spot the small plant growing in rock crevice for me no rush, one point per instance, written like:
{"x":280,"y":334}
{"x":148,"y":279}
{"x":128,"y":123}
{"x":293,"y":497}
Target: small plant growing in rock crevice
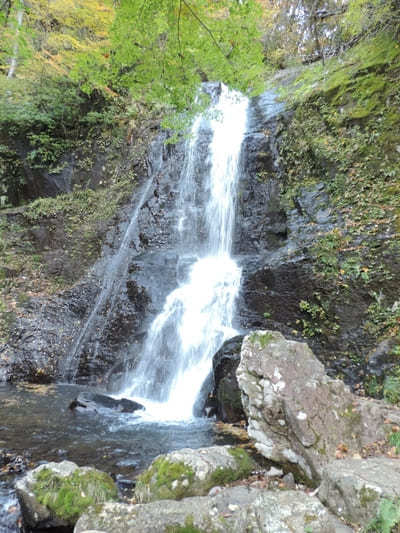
{"x":261,"y":338}
{"x":387,"y":518}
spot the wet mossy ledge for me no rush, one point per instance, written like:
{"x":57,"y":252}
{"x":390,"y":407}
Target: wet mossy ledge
{"x":186,"y":472}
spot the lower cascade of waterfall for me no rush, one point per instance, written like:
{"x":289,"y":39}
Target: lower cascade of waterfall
{"x":198,"y":314}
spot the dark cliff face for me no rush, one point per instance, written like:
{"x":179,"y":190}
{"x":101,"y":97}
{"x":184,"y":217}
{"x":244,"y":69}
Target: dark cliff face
{"x":274,"y":243}
{"x":288,"y":244}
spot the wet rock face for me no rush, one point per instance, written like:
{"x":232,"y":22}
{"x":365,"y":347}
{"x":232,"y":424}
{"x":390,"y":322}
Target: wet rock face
{"x":261,"y":221}
{"x":42,"y":337}
{"x":226,"y":392}
{"x":354,"y":489}
{"x":298,"y":416}
{"x":233,"y":510}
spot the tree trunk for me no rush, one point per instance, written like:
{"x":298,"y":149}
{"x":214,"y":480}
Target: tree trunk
{"x":14,"y":58}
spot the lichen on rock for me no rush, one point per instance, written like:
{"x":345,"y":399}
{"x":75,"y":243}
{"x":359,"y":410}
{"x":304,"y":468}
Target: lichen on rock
{"x":298,"y":416}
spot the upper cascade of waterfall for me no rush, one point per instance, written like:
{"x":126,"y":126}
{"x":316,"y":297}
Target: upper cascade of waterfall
{"x":197,"y":316}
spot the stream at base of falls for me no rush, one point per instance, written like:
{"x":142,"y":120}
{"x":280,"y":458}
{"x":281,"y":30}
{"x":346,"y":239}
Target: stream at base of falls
{"x":37,"y":424}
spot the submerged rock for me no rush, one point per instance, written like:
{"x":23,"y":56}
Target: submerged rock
{"x":355,"y":489}
{"x":56,"y":494}
{"x":232,"y":510}
{"x":298,"y":416}
{"x":93,"y":402}
{"x":190,"y":472}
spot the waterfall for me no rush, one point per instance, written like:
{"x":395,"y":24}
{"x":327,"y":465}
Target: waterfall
{"x":197,"y":316}
{"x":14,"y":58}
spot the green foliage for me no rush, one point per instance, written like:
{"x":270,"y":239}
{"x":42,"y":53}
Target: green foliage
{"x":318,"y":319}
{"x":391,"y":389}
{"x":394,"y":440}
{"x":387,"y":518}
{"x":11,"y":176}
{"x":363,"y":16}
{"x":326,"y":251}
{"x":163,"y":49}
{"x":383,"y":318}
{"x":373,"y":387}
{"x":68,"y":497}
{"x":82,"y":205}
{"x":51,"y":105}
{"x":39,"y":122}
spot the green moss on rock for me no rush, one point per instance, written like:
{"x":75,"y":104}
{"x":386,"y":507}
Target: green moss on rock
{"x":188,"y":527}
{"x":167,"y":479}
{"x":367,"y":496}
{"x":244,"y":467}
{"x":68,"y":497}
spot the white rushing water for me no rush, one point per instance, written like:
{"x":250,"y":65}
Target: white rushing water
{"x":197,"y":316}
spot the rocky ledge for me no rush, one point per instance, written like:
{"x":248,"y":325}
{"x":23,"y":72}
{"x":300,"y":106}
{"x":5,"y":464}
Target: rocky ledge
{"x":233,"y":510}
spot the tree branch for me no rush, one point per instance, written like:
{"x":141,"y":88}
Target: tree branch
{"x":195,"y":15}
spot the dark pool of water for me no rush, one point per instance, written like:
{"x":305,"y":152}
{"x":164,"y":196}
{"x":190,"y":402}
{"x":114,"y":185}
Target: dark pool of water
{"x":35,"y":421}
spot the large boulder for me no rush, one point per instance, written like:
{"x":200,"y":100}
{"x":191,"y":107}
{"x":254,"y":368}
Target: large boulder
{"x":56,"y":494}
{"x":190,"y":472}
{"x":355,"y":489}
{"x":233,"y":510}
{"x":299,"y":416}
{"x":226,"y":389}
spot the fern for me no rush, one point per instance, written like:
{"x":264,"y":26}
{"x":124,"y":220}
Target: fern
{"x":387,"y":518}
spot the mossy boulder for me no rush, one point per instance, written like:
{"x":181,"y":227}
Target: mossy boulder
{"x":56,"y":494}
{"x":188,"y":472}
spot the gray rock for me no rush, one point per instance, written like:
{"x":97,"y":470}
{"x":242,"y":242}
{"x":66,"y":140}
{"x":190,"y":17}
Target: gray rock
{"x":190,"y":472}
{"x":95,"y":403}
{"x":353,"y":489}
{"x":287,"y":512}
{"x":37,"y":515}
{"x":298,"y":415}
{"x":289,"y":481}
{"x":233,"y":510}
